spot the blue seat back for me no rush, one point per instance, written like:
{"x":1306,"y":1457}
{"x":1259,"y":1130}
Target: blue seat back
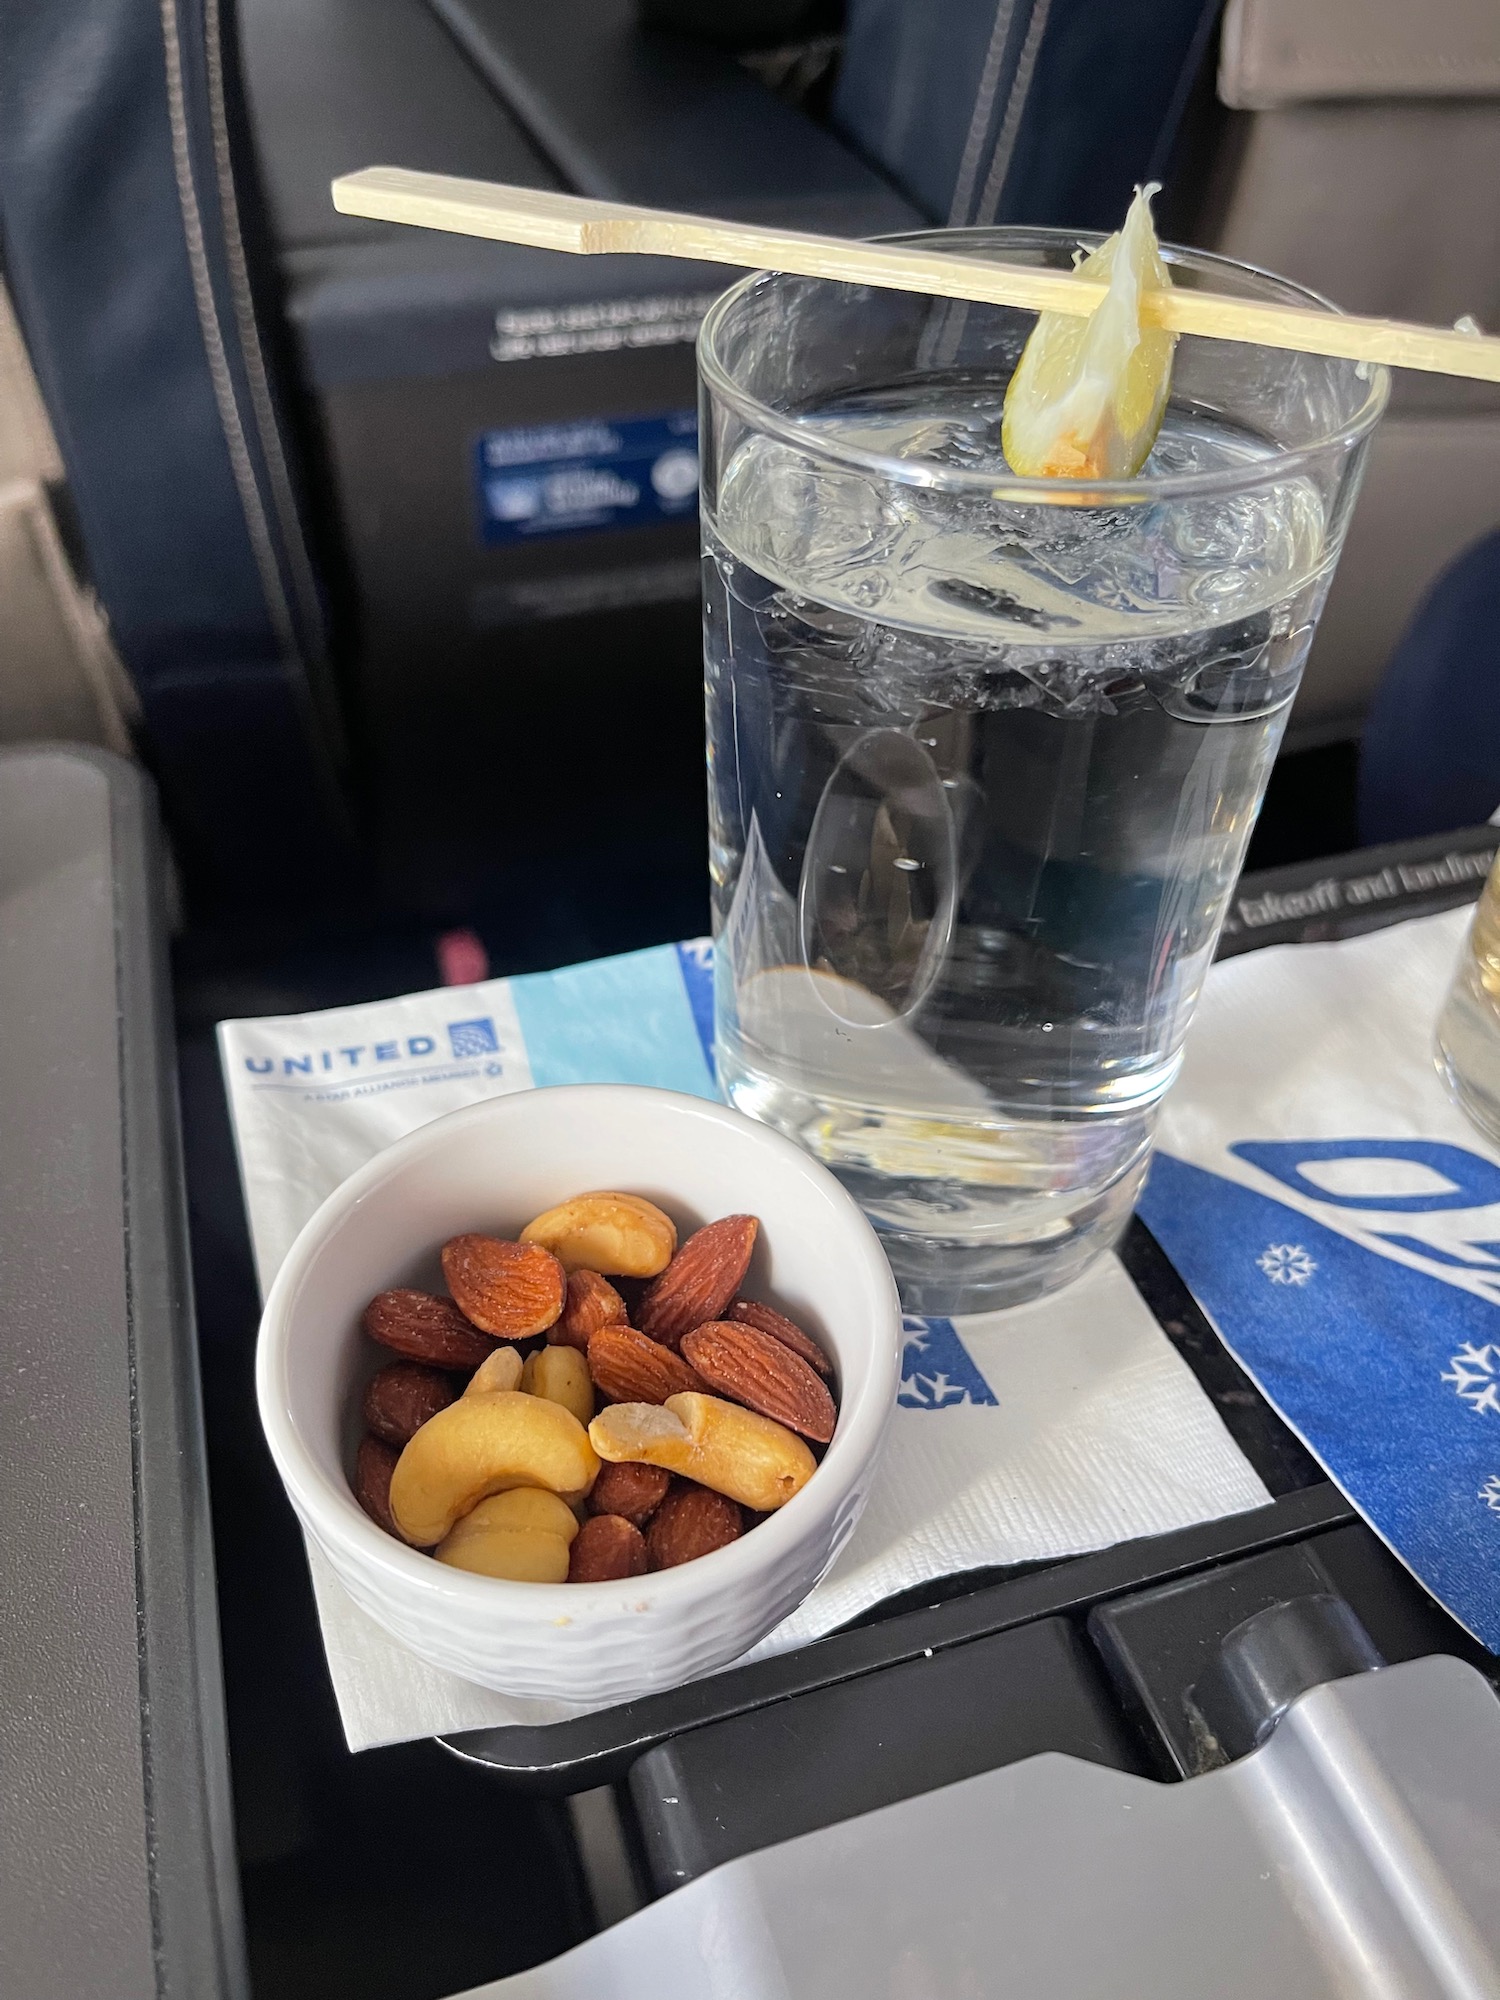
{"x":1430,"y":757}
{"x":128,"y":243}
{"x":1033,"y":111}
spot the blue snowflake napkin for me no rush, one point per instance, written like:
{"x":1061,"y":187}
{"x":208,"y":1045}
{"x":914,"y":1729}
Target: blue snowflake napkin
{"x":1338,"y":1219}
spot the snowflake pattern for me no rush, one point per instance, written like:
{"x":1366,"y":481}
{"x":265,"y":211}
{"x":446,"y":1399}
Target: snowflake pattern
{"x":1474,"y":1373}
{"x":1489,"y":1493}
{"x":1286,"y":1263}
{"x":931,"y":1392}
{"x":937,"y":1370}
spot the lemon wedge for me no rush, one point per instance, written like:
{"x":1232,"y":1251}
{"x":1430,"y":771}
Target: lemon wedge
{"x":1087,"y":397}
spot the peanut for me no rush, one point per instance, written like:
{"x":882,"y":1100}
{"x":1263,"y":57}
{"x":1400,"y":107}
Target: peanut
{"x":561,"y":1375}
{"x":503,"y":1370}
{"x":522,"y":1535}
{"x":619,"y":1234}
{"x":746,"y":1457}
{"x":484,"y":1444}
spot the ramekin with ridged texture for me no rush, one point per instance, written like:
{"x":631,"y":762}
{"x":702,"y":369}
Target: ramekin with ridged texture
{"x":491,"y":1167}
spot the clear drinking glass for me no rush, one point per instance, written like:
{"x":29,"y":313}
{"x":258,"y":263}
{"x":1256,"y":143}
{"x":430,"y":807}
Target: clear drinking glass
{"x":1468,"y":1033}
{"x":984,"y":752}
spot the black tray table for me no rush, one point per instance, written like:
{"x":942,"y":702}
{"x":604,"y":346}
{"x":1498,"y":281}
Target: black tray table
{"x":1343,"y":897}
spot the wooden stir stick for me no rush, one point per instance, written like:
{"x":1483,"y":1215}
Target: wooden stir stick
{"x":571,"y":222}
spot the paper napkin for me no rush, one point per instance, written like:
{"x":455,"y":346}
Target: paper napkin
{"x":1338,"y":1218}
{"x":1044,"y":1431}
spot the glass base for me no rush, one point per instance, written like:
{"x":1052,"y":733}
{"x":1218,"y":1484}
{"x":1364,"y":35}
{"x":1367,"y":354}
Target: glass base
{"x":974,"y":1213}
{"x":1467,"y":1050}
{"x":1480,"y":1106}
{"x":979,"y":1271}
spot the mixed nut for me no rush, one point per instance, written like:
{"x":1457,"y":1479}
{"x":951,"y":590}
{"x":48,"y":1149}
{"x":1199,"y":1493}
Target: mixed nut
{"x":712,"y":1405}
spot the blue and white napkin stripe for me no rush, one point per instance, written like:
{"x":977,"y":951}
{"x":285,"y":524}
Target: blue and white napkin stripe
{"x":640,"y":1018}
{"x":937,"y":1371}
{"x":695,"y":961}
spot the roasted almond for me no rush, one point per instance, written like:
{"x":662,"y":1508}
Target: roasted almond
{"x":752,"y":1368}
{"x":691,"y":1522}
{"x":630,"y":1368}
{"x":400,"y":1399}
{"x":606,"y":1549}
{"x":592,"y":1302}
{"x":424,"y":1328}
{"x":372,"y":1481}
{"x":700,"y":1280}
{"x":511,"y":1290}
{"x":766,"y":1319}
{"x":632,"y":1491}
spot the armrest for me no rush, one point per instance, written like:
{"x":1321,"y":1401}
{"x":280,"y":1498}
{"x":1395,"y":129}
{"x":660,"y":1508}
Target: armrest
{"x":117,"y":1876}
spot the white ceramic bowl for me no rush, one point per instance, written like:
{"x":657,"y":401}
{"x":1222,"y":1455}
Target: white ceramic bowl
{"x":491,"y":1167}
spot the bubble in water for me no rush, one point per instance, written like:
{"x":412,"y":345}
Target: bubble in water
{"x":980,"y":565}
{"x":985,"y":597}
{"x":797,"y":519}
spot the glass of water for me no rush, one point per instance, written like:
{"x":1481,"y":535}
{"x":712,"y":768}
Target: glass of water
{"x":984,"y":753}
{"x":1468,"y":1032}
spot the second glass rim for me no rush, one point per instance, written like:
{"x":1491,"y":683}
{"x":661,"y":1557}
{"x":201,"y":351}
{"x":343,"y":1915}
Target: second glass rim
{"x":813,"y":442}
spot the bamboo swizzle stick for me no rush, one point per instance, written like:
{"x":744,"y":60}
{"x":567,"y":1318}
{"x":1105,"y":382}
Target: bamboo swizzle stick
{"x":571,"y":222}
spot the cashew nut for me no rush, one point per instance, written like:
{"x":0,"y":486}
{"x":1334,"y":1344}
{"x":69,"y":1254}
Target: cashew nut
{"x":500,"y":1370}
{"x":483,"y":1444}
{"x":622,"y":1235}
{"x":561,"y":1374}
{"x":522,"y":1535}
{"x":744,"y":1456}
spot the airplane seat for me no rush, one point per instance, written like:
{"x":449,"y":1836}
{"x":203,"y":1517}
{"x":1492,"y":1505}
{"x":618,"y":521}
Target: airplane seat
{"x":1045,"y":112}
{"x":508,"y":434}
{"x":1353,"y":145}
{"x":469,"y":461}
{"x":1430,"y":757}
{"x":60,"y":677}
{"x":1361,"y":155}
{"x":300,"y":448}
{"x":127,"y":218}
